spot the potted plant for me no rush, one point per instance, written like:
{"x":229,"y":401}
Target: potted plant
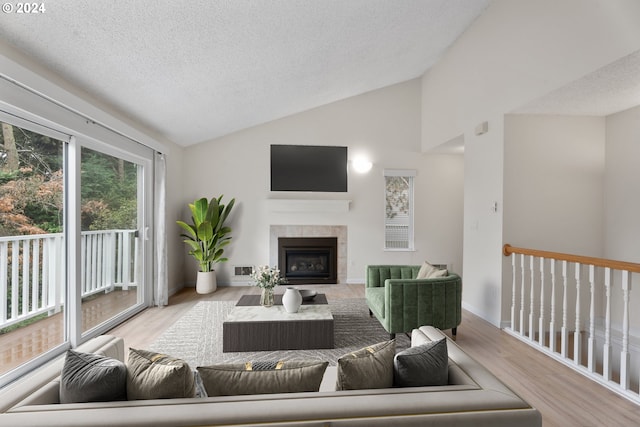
{"x":207,"y":237}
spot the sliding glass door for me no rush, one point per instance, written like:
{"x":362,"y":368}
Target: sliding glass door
{"x":112,"y":247}
{"x":32,"y":243}
{"x":75,"y":248}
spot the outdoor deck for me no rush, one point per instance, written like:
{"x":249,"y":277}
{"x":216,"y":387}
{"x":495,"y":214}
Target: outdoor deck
{"x":21,"y":345}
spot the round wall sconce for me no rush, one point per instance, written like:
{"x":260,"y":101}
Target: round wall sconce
{"x":361,"y":165}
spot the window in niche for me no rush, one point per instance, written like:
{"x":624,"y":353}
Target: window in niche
{"x":398,"y":223}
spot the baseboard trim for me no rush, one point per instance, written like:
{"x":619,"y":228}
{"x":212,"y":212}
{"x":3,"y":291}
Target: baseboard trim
{"x":474,"y":310}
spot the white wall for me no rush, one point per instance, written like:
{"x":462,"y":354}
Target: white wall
{"x":482,"y":226}
{"x":515,"y":52}
{"x":622,"y":185}
{"x":622,"y":204}
{"x":553,"y":183}
{"x":385,"y":126}
{"x":553,"y":189}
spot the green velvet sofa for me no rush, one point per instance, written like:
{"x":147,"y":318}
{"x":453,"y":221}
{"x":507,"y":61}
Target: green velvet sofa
{"x":402,"y":303}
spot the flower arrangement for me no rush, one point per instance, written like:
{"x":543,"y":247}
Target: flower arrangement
{"x":266,"y":277}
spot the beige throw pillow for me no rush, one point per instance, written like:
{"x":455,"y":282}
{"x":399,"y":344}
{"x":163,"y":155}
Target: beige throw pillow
{"x":428,"y":271}
{"x":367,"y":368}
{"x":158,"y":376}
{"x":262,"y":377}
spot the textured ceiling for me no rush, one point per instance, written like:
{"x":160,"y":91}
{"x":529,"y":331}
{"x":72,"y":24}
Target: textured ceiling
{"x":611,"y":89}
{"x":199,"y":69}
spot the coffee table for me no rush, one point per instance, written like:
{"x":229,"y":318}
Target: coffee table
{"x":251,"y":327}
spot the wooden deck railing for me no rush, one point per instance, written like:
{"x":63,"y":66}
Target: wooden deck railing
{"x":549,"y":293}
{"x":32,"y":270}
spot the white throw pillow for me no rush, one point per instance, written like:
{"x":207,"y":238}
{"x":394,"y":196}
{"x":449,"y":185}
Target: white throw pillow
{"x":428,"y":271}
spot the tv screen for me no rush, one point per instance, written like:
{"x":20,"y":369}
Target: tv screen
{"x":308,"y":168}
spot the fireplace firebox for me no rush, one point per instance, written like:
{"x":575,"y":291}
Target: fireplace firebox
{"x":308,"y":260}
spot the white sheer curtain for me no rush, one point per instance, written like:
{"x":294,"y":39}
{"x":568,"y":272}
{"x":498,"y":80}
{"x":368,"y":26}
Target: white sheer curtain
{"x":161,"y":287}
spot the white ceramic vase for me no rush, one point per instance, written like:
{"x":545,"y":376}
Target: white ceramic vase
{"x":206,"y":282}
{"x":291,"y":300}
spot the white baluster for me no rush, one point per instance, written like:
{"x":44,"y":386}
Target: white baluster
{"x":35,"y":281}
{"x":99,"y":264}
{"x":591,"y":363}
{"x":86,"y":277}
{"x":15,"y":277}
{"x":3,"y":281}
{"x":94,"y":264}
{"x":56,"y":285}
{"x":531,"y":302}
{"x":120,"y":256}
{"x":552,"y":324}
{"x":513,"y":291}
{"x":26,"y":259}
{"x":83,"y":259}
{"x":126,"y":267}
{"x":541,"y":319}
{"x":522,"y":292}
{"x":606,"y":351}
{"x":624,"y":355}
{"x":137,"y":260}
{"x":44,"y":301}
{"x":111,"y":253}
{"x":577,"y":340}
{"x":564,"y":342}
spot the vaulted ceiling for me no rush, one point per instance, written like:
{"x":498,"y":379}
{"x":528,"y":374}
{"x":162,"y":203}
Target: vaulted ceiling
{"x":195,"y":70}
{"x":608,"y":90}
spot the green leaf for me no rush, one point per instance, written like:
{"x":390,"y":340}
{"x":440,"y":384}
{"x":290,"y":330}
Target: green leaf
{"x":212,"y":212}
{"x":193,"y":244}
{"x":205,"y":231}
{"x":188,"y":228}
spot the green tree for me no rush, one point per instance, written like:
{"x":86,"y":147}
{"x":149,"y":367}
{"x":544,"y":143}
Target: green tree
{"x":31,"y":199}
{"x":109,"y":192}
{"x":397,"y":192}
{"x":9,"y":155}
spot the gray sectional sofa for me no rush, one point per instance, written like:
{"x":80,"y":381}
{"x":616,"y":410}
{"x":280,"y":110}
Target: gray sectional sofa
{"x":474,"y":397}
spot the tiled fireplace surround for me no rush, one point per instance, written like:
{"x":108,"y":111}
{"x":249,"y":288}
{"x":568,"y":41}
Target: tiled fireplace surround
{"x":339,"y":231}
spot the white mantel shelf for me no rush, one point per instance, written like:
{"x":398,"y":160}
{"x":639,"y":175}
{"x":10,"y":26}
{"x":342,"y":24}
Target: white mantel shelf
{"x":308,"y":205}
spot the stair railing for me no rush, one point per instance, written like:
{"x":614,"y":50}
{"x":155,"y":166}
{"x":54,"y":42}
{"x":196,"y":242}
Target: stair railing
{"x":548,"y":284}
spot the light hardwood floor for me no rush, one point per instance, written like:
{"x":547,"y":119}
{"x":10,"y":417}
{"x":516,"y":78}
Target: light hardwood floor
{"x":564,"y":397}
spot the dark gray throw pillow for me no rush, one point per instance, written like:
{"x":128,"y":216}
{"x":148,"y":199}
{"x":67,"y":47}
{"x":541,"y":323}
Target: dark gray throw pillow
{"x":423,"y":365}
{"x":90,"y":377}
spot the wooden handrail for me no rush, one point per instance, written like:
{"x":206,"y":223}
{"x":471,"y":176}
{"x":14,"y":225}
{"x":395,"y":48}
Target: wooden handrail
{"x":507,"y":250}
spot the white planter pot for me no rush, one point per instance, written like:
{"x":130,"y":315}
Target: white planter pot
{"x":291,"y":300}
{"x":206,"y":282}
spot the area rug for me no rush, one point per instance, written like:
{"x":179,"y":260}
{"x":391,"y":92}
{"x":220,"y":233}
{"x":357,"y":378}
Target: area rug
{"x":197,"y":336}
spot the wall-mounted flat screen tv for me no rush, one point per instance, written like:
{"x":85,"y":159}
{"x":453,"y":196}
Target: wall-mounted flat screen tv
{"x":308,"y":168}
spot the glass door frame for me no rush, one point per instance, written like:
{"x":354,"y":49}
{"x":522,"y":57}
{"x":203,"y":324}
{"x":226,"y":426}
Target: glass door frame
{"x":143,"y":158}
{"x":64,"y":138}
